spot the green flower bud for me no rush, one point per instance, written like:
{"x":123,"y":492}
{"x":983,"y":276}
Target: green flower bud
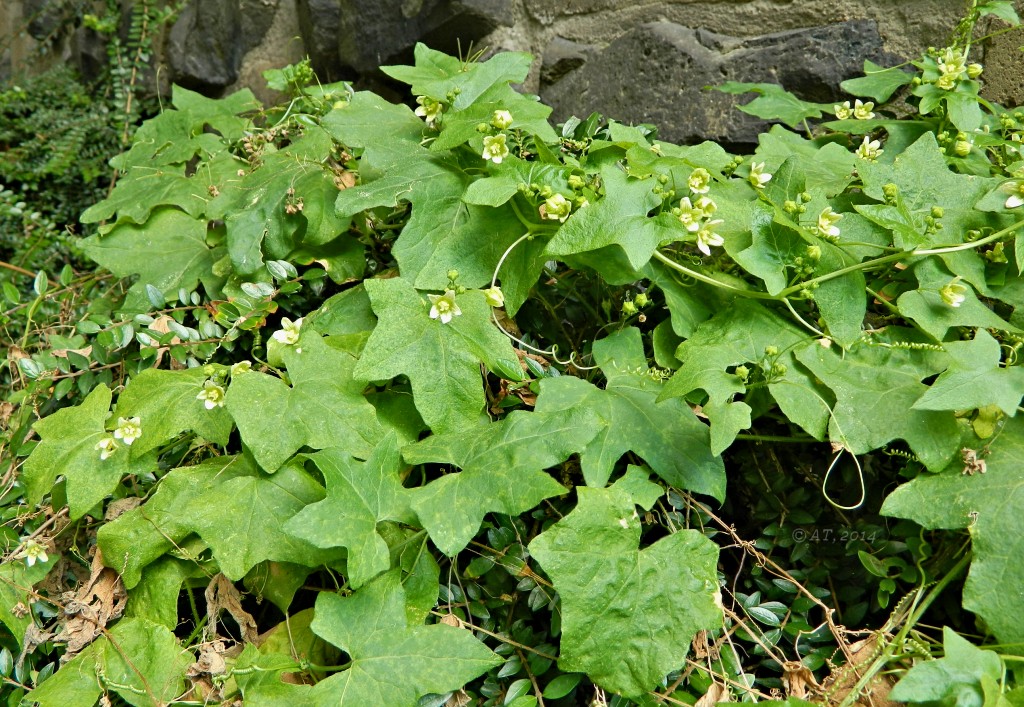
{"x":641,"y":300}
{"x":629,"y":308}
{"x":483,"y":128}
{"x":771,"y":350}
{"x":937,"y":212}
{"x":804,"y":197}
{"x":890,"y":191}
{"x":546,"y":191}
{"x":453,"y":275}
{"x":576,"y":181}
{"x":742,"y":372}
{"x":974,"y":70}
{"x":662,"y":179}
{"x":789,"y":206}
{"x":814,"y":252}
{"x":779,"y":369}
{"x":962,"y":148}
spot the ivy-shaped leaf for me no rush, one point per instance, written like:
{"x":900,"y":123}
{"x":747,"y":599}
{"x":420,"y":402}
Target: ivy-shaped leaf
{"x":926,"y":306}
{"x":667,"y":435}
{"x":324,"y":407}
{"x":436,"y":74}
{"x":68,"y":446}
{"x":990,"y":505}
{"x":169,"y":252}
{"x":620,"y":219}
{"x":924,"y":181}
{"x":745,"y":334}
{"x":441,"y":360}
{"x":875,"y":389}
{"x":167,"y":404}
{"x":392,"y":663}
{"x":773,"y":102}
{"x":975,"y":379}
{"x":530,"y":116}
{"x":954,"y":679}
{"x":502,"y":470}
{"x":238,"y":510}
{"x":628,"y":615}
{"x":139,"y":660}
{"x":16,"y":582}
{"x":359,"y":495}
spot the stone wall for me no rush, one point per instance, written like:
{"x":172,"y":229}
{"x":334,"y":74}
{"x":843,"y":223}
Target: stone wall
{"x":640,"y":61}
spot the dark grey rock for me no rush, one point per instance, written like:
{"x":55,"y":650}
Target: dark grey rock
{"x":257,"y":17}
{"x":205,"y":46}
{"x":561,"y":56}
{"x":373,"y":34}
{"x":320,"y":22}
{"x":656,"y":73}
{"x":46,"y":18}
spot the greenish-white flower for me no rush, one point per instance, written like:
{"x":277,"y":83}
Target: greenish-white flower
{"x":106,"y":447}
{"x":706,"y":206}
{"x":869,"y":149}
{"x":212,"y":395}
{"x":953,"y":293}
{"x":289,"y":332}
{"x":699,"y":181}
{"x":952,"y":65}
{"x":241,"y":367}
{"x":842,"y":110}
{"x":689,"y":215}
{"x":758,"y":177}
{"x":707,"y":238}
{"x":556,"y":208}
{"x":429,"y":109}
{"x":1015,"y":189}
{"x":827,"y":221}
{"x":494,"y":296}
{"x":128,"y":429}
{"x":862,"y":111}
{"x":32,"y":552}
{"x":495,"y":149}
{"x":501,"y":119}
{"x":444,"y":307}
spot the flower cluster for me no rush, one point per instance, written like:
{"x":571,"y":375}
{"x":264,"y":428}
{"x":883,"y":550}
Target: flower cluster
{"x":861,"y":110}
{"x":696,"y":218}
{"x":952,"y":66}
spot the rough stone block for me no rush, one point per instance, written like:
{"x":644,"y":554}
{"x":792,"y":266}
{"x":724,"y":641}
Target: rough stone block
{"x":656,"y":73}
{"x":320,"y":24}
{"x":384,"y":32}
{"x":205,"y":45}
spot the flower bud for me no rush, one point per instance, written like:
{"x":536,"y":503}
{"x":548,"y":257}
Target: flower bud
{"x":771,"y":350}
{"x":641,"y":300}
{"x":629,"y":308}
{"x":501,"y":119}
{"x":576,"y":181}
{"x":742,"y":372}
{"x":974,"y":70}
{"x":938,"y":212}
{"x":453,"y":275}
{"x":962,"y":148}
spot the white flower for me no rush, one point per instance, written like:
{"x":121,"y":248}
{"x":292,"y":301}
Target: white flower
{"x":689,"y":215}
{"x":952,"y":65}
{"x":699,"y":181}
{"x":443,"y":307}
{"x":706,"y":238}
{"x":212,"y":395}
{"x":862,"y":111}
{"x":758,"y":177}
{"x":1015,"y":189}
{"x":827,"y":221}
{"x":556,"y":208}
{"x":869,"y":149}
{"x":707,"y":206}
{"x":31,"y":551}
{"x":842,"y":111}
{"x":128,"y":429}
{"x":106,"y":447}
{"x":430,"y":110}
{"x":288,"y":334}
{"x":495,"y":149}
{"x":953,"y":293}
{"x":494,"y":296}
{"x":501,"y":119}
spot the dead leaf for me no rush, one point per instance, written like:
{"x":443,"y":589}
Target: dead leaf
{"x":842,"y":680}
{"x":796,"y":678}
{"x":222,"y":595}
{"x":87,"y":611}
{"x":121,"y":505}
{"x":459,"y":698}
{"x":6,"y":410}
{"x":451,"y":620}
{"x":63,"y":353}
{"x":717,"y":692}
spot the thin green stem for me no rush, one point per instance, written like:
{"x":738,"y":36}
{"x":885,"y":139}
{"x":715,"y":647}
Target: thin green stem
{"x":701,"y":277}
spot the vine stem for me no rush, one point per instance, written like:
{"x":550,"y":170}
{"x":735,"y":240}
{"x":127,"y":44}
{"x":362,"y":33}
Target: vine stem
{"x":916,"y":612}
